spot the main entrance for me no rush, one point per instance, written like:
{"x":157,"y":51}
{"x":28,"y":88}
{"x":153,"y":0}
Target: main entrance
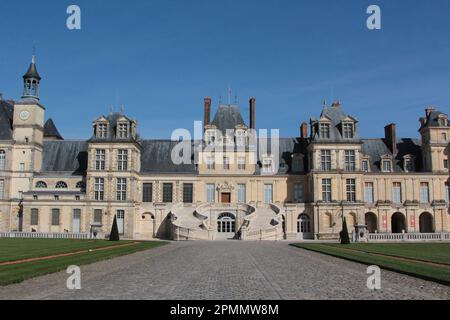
{"x":226,"y":225}
{"x":225,"y":197}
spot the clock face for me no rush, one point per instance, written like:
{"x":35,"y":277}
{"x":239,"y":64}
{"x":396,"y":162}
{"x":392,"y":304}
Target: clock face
{"x":24,"y":115}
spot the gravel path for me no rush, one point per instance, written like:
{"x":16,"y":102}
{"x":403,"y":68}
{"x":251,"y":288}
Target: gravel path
{"x":226,"y":270}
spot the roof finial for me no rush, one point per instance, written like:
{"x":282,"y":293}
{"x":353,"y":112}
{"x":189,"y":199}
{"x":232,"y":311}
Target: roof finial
{"x":111,"y":109}
{"x":220,"y":100}
{"x":122,"y":109}
{"x":33,"y":56}
{"x":229,"y":94}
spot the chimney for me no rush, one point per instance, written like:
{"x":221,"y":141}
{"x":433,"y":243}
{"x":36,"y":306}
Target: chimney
{"x":428,"y":111}
{"x":390,"y":137}
{"x":336,"y":104}
{"x":304,"y":130}
{"x":207,"y":103}
{"x":252,"y":112}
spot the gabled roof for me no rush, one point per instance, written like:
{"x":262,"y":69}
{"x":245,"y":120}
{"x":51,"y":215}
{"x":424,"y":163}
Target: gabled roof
{"x":228,"y":117}
{"x":50,"y":130}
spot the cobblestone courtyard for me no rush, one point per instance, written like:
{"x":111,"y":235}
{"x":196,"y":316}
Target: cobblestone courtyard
{"x":225,"y":270}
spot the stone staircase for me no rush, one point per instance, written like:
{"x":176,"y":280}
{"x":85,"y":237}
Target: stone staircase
{"x":263,"y":224}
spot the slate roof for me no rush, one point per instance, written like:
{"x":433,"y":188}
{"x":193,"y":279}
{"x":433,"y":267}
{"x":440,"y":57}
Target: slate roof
{"x":432,"y":119}
{"x":376,"y":148}
{"x":335,"y":114}
{"x":6,"y":119}
{"x":112,"y":119}
{"x":65,"y":156}
{"x":32,"y":72}
{"x":228,"y":117}
{"x":50,"y":130}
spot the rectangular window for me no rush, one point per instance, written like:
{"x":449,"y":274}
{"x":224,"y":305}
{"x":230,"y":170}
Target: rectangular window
{"x":2,"y":159}
{"x":226,"y":163}
{"x":365,"y":166}
{"x":267,"y":166}
{"x":424,"y":193}
{"x":122,"y":129}
{"x":167,"y":192}
{"x":210,"y":163}
{"x":409,"y":165}
{"x":241,"y":193}
{"x":99,"y":189}
{"x":210,"y":192}
{"x":147,"y":192}
{"x":297,"y":165}
{"x":397,"y":192}
{"x":122,"y":160}
{"x":34,"y":217}
{"x":188,"y":191}
{"x":55,"y":217}
{"x":447,"y":193}
{"x":121,"y":189}
{"x":298,"y":192}
{"x":368,"y":192}
{"x":347,"y":130}
{"x":98,"y":216}
{"x":326,"y":190}
{"x":120,"y":214}
{"x":2,"y":189}
{"x":445,"y":163}
{"x":241,"y":163}
{"x":387,"y":166}
{"x":324,"y":131}
{"x":100,"y":158}
{"x":325,"y":160}
{"x":351,"y":190}
{"x":268,"y":193}
{"x":102,"y":130}
{"x":22,"y":166}
{"x":349,"y":156}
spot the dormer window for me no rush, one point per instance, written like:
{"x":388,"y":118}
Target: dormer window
{"x":240,"y":137}
{"x":297,"y":163}
{"x":324,"y":130}
{"x":443,"y":122}
{"x":210,"y":136}
{"x":408,"y":163}
{"x":347,"y":130}
{"x":267,"y":165}
{"x":102,"y":130}
{"x":386,"y":165}
{"x":122,"y":130}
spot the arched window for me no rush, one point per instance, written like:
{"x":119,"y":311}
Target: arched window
{"x":2,"y":159}
{"x":61,"y":185}
{"x":226,"y":223}
{"x":303,"y":223}
{"x":41,"y":185}
{"x":80,"y":185}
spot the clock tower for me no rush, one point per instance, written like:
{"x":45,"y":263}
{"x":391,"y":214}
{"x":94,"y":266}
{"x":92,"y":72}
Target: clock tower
{"x":28,"y":132}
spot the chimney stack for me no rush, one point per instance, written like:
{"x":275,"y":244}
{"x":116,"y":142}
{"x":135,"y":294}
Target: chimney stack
{"x":207,"y":103}
{"x":304,"y":130}
{"x":428,"y":111}
{"x":252,"y":112}
{"x":390,"y":137}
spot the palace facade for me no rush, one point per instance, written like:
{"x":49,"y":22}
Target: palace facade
{"x":230,"y":184}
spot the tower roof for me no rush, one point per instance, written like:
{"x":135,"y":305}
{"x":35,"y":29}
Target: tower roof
{"x":50,"y":130}
{"x":32,"y":71}
{"x":228,"y":117}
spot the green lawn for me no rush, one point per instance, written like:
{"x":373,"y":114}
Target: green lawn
{"x":431,"y":252}
{"x":18,"y":249}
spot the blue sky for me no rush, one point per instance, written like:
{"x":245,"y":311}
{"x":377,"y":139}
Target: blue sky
{"x":161,"y":58}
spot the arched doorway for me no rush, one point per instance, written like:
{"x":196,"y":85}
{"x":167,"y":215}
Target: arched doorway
{"x":398,"y":223}
{"x":304,"y":229}
{"x":226,"y":225}
{"x":426,"y":223}
{"x":371,"y":222}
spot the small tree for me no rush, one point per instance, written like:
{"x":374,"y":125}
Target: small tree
{"x":345,"y":239}
{"x":114,"y":235}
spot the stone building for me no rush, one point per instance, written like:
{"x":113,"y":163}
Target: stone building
{"x":232,"y":183}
